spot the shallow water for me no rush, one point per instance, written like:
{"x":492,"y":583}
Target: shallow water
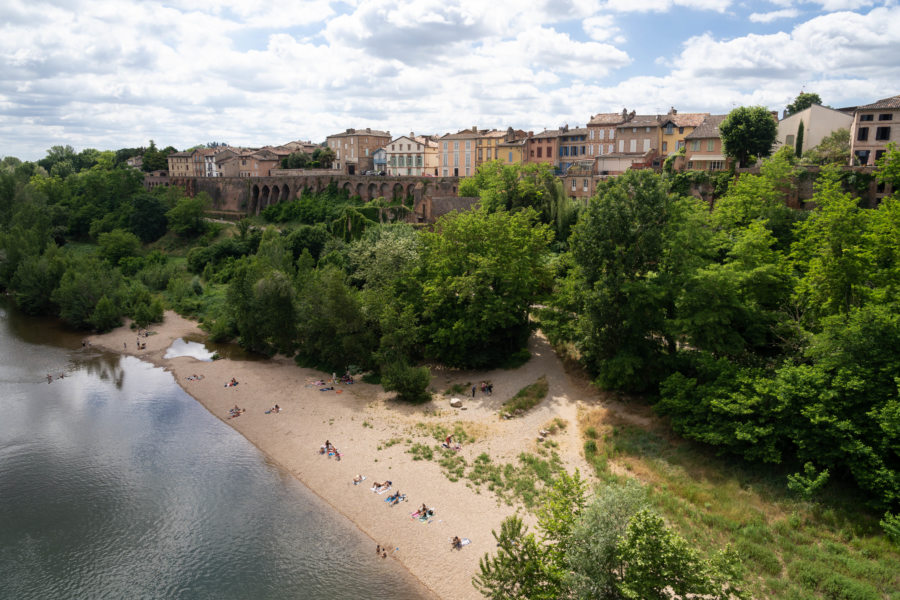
{"x":181,"y":347}
{"x":114,"y":483}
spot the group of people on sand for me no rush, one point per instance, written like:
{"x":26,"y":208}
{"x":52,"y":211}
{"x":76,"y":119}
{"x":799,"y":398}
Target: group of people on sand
{"x":329,"y":449}
{"x":274,"y":409}
{"x":486,"y":388}
{"x":448,"y":443}
{"x":232,"y":383}
{"x":424,"y":513}
{"x":236,"y":412}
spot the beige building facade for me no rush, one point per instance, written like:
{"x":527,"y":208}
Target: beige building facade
{"x":818,"y":123}
{"x":874,"y":127}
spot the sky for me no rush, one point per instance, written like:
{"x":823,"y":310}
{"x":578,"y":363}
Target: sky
{"x":111,"y":74}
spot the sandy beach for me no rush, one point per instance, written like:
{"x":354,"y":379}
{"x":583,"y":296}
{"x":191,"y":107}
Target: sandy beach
{"x":374,"y":433}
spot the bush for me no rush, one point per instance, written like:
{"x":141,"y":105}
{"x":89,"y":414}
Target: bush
{"x":528,"y":397}
{"x":410,"y":383}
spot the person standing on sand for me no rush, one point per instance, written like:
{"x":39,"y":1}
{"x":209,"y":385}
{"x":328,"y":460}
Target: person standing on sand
{"x":473,"y":390}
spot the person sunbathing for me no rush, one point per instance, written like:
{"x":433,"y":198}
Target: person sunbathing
{"x":456,"y":543}
{"x":357,"y":479}
{"x":423,"y":510}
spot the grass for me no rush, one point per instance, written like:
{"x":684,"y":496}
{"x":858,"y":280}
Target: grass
{"x":528,"y":397}
{"x":458,"y":388}
{"x":790,"y":548}
{"x":555,"y":424}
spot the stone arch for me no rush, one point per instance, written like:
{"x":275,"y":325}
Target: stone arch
{"x":360,"y":188}
{"x":285,"y":193}
{"x":274,"y":195}
{"x":254,"y":199}
{"x":397,"y":191}
{"x":410,"y":188}
{"x":264,"y":197}
{"x":347,"y":188}
{"x":373,"y":191}
{"x":384,"y":190}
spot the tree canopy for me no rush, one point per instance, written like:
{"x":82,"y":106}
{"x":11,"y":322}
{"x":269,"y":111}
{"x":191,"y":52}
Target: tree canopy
{"x":748,"y":131}
{"x":803,"y":101}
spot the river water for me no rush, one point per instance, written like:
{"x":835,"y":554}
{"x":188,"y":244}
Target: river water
{"x":114,"y":483}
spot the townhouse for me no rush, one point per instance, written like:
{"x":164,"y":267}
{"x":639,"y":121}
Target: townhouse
{"x":673,"y":129}
{"x":703,"y":150}
{"x":542,"y":147}
{"x":511,"y":149}
{"x":410,"y":155}
{"x":457,"y":152}
{"x":572,"y":146}
{"x":874,"y":127}
{"x":602,"y":132}
{"x":353,"y":149}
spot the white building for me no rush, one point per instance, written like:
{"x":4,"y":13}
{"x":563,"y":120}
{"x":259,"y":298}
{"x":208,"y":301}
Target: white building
{"x":410,"y":155}
{"x":818,"y":123}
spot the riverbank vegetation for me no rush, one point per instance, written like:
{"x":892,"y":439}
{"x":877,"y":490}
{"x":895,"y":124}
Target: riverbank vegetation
{"x":761,"y":333}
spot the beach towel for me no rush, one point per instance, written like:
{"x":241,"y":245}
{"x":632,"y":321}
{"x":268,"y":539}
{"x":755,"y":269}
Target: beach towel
{"x":360,"y":481}
{"x":379,"y":492}
{"x":465,"y":542}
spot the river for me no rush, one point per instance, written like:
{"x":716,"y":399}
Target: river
{"x":114,"y":483}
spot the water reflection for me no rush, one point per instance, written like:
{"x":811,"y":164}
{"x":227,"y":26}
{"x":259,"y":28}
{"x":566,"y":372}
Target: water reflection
{"x":180,"y":347}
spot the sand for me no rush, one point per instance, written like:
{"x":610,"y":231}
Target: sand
{"x":361,"y":420}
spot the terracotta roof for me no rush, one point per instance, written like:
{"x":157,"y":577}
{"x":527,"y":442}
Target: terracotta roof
{"x":352,"y":132}
{"x":459,"y":135}
{"x":180,"y":154}
{"x":575,"y":131}
{"x":709,"y":128}
{"x":548,"y":133}
{"x":606,"y":119}
{"x":641,"y":121}
{"x":494,"y":133}
{"x":684,"y":119}
{"x":892,"y":102}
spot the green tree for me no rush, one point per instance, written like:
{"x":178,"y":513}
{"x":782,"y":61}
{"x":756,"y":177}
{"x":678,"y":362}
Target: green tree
{"x":802,"y":102}
{"x":480,"y":273}
{"x":35,"y":279}
{"x":658,"y":563}
{"x":186,"y":218}
{"x":323,"y":157}
{"x":148,"y":217}
{"x":594,"y":566}
{"x":118,"y":244}
{"x":518,"y":570}
{"x":834,"y":149}
{"x":748,"y":131}
{"x":798,"y":147}
{"x":106,"y":315}
{"x":888,"y":167}
{"x":831,"y":252}
{"x":85,"y":281}
{"x":633,"y":250}
{"x":410,"y":383}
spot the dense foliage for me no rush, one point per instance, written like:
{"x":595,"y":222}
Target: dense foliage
{"x":765,"y":332}
{"x":748,"y":131}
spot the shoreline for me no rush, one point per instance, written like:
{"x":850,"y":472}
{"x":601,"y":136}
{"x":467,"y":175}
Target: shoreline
{"x":374,"y":433}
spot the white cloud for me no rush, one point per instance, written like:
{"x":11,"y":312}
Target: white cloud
{"x":787,"y":13}
{"x":601,"y":28}
{"x":719,"y":6}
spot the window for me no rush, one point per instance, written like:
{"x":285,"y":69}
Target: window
{"x":456,"y":145}
{"x":716,"y":165}
{"x":884,"y":117}
{"x":681,"y":130}
{"x":510,"y":157}
{"x":883,"y":133}
{"x":862,"y":156}
{"x":669,"y":129}
{"x":710,"y":145}
{"x":621,"y":145}
{"x":646,"y":130}
{"x":592,"y":134}
{"x":584,"y":185}
{"x":646,"y":145}
{"x":468,"y":144}
{"x":591,"y":146}
{"x":603,"y":134}
{"x":573,"y":184}
{"x":862,"y":134}
{"x":690,"y":164}
{"x":540,"y":150}
{"x":549,"y":152}
{"x":632,"y":146}
{"x":445,"y":147}
{"x":582,"y":150}
{"x":444,"y":171}
{"x":665,"y":147}
{"x":879,"y":154}
{"x":695,"y":145}
{"x":866,"y":117}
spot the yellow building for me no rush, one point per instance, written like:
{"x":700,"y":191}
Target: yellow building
{"x":511,"y":149}
{"x":673,"y":127}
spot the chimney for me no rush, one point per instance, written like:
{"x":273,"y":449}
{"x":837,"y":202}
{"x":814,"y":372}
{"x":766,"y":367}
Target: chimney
{"x":412,"y":135}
